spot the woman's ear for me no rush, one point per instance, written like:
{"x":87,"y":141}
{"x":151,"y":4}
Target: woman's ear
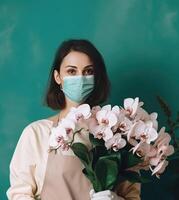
{"x":57,"y":77}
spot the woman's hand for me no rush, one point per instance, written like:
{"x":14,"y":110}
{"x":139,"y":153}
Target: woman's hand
{"x":104,"y":195}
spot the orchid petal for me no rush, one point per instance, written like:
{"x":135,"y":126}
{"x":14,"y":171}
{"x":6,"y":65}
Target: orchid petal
{"x":107,"y":107}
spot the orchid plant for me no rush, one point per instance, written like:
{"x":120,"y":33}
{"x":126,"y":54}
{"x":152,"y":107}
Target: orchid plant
{"x":123,"y":141}
{"x":172,"y":122}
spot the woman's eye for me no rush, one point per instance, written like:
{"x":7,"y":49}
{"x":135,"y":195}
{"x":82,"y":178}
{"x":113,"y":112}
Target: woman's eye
{"x":71,"y":71}
{"x":89,"y":72}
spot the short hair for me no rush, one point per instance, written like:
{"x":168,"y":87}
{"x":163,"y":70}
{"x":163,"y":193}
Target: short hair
{"x":55,"y":98}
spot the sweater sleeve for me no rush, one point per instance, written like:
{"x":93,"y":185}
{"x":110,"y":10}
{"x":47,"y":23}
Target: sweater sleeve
{"x":129,"y":191}
{"x":22,"y":167}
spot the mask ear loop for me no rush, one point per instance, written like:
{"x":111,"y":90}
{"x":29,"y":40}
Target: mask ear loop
{"x":60,"y":83}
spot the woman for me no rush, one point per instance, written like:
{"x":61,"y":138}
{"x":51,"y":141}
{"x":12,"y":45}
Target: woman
{"x":78,"y":75}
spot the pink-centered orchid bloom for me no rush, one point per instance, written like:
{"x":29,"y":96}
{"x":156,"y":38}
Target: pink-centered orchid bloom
{"x":160,"y":168}
{"x":101,"y":125}
{"x":100,"y":131}
{"x":142,"y":149}
{"x":94,"y":110}
{"x":153,"y":118}
{"x":78,"y":113}
{"x":143,"y":131}
{"x":106,"y":117}
{"x":116,"y":110}
{"x":117,"y":126}
{"x":131,"y":106}
{"x":58,"y":138}
{"x":141,"y":134}
{"x":61,"y":134}
{"x":155,"y":155}
{"x":161,"y":148}
{"x":123,"y":123}
{"x":116,"y":142}
{"x":142,"y":115}
{"x":68,"y":124}
{"x":163,"y":138}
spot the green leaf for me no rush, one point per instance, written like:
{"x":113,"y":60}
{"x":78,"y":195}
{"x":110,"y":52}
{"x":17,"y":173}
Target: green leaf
{"x":164,"y":106}
{"x":107,"y":172}
{"x":115,"y":156}
{"x":129,"y":159}
{"x":89,"y":174}
{"x":81,"y":151}
{"x":93,"y":179}
{"x":134,"y":177}
{"x":98,"y":152}
{"x":95,"y":141}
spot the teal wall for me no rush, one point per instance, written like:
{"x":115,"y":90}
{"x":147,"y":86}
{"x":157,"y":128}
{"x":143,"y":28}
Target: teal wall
{"x":139,"y":40}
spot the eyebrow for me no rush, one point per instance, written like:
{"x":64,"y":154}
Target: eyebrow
{"x":76,"y":67}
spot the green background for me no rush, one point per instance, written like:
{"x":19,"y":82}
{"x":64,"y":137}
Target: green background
{"x":139,"y":40}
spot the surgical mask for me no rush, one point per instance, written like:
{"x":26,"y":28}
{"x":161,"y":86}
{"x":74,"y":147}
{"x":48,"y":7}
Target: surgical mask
{"x":78,"y":88}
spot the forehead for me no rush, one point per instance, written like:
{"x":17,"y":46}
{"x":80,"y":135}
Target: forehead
{"x":77,"y":59}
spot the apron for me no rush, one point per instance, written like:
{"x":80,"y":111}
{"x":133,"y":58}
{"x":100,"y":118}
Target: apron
{"x":64,"y":179}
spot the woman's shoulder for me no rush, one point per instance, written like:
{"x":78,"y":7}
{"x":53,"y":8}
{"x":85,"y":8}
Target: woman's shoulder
{"x":33,"y":140}
{"x":37,"y":129}
{"x":41,"y":123}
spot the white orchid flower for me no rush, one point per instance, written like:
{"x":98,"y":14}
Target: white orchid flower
{"x":124,"y":125}
{"x":141,"y":115}
{"x":160,"y":168}
{"x":106,"y":107}
{"x":116,"y":110}
{"x":123,"y":122}
{"x":68,"y":124}
{"x":131,"y":106}
{"x":162,"y":143}
{"x":101,"y":132}
{"x":159,"y":152}
{"x":80,"y":112}
{"x":141,"y":132}
{"x":116,"y":142}
{"x":62,"y":134}
{"x":94,"y":110}
{"x":58,"y":136}
{"x":106,"y":118}
{"x":101,"y":125}
{"x":153,"y":118}
{"x":141,"y":149}
{"x":162,"y":147}
{"x":163,"y":138}
{"x":144,"y":131}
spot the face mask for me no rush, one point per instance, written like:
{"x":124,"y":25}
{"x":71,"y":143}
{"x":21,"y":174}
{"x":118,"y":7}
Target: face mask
{"x":78,"y":88}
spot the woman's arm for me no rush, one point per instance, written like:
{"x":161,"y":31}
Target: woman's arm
{"x":22,"y":167}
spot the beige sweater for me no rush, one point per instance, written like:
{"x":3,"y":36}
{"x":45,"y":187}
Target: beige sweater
{"x":28,"y":164}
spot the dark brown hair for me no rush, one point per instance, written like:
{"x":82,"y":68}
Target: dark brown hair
{"x":55,"y":98}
